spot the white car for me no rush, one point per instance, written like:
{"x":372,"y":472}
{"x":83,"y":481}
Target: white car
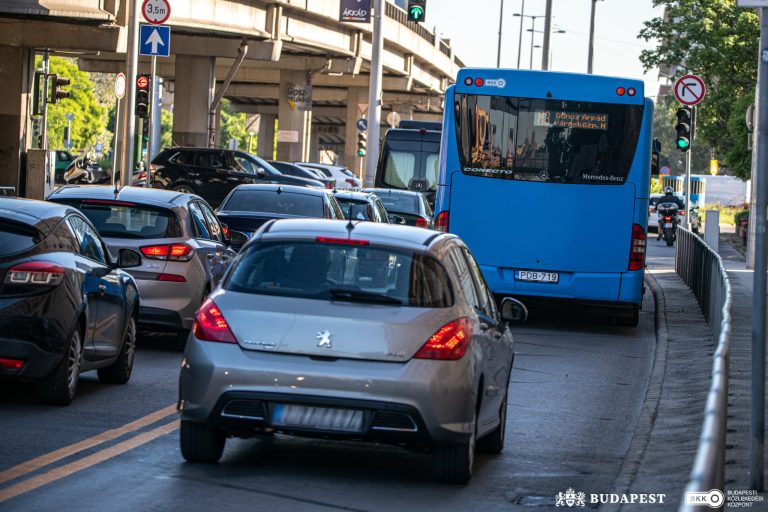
{"x":343,"y":176}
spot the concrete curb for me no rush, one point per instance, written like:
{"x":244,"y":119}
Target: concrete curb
{"x":645,"y":421}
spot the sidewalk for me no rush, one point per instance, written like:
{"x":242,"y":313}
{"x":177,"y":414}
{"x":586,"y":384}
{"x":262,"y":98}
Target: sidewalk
{"x":662,"y":454}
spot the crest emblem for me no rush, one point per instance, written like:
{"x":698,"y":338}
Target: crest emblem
{"x":324,"y":339}
{"x":570,"y":498}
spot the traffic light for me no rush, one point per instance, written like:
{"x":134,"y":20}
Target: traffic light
{"x":362,"y":141}
{"x":417,"y":10}
{"x":684,"y":128}
{"x":57,"y":93}
{"x":142,"y":96}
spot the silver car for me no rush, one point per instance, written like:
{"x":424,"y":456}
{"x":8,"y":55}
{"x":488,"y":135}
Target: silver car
{"x":183,"y":247}
{"x":363,"y":331}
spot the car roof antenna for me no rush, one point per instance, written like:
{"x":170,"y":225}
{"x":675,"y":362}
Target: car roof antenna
{"x":350,"y":227}
{"x":117,"y":190}
{"x":279,"y":189}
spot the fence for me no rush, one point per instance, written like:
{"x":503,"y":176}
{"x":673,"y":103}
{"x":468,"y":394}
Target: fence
{"x":703,"y":271}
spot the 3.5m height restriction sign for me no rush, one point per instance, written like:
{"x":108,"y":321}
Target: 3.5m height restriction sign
{"x":690,"y":90}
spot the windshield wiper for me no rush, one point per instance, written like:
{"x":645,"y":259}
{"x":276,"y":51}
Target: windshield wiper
{"x":360,"y":295}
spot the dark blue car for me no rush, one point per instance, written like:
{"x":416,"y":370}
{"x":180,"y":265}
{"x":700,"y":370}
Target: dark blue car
{"x":65,"y":307}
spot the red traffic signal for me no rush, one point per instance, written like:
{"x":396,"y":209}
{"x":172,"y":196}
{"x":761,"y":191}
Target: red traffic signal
{"x":142,"y":82}
{"x":142,"y":96}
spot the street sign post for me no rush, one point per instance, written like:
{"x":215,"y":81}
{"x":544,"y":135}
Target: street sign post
{"x":155,"y":40}
{"x":120,"y":85}
{"x":156,"y":12}
{"x":690,"y":90}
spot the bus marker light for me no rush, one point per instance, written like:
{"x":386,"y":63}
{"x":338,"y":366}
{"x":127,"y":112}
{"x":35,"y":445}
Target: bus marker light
{"x":631,"y":91}
{"x":620,"y":91}
{"x":479,"y":82}
{"x":468,"y":81}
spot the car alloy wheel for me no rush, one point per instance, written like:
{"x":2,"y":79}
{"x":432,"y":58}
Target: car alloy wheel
{"x":60,"y":386}
{"x":120,"y":371}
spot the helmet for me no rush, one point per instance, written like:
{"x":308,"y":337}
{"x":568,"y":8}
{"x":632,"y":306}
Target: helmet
{"x":668,"y":190}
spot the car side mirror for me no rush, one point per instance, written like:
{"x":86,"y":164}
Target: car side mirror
{"x":237,"y":238}
{"x":396,"y":219}
{"x":127,"y":258}
{"x":512,"y":310}
{"x":261,"y":172}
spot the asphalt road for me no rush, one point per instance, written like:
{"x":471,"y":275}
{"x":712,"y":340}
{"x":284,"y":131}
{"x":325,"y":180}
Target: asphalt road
{"x":575,"y":394}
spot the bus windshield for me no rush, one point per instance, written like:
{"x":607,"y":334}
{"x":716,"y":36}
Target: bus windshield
{"x":553,"y":141}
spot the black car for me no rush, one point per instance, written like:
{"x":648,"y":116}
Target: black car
{"x":362,"y":206}
{"x":409,"y":158}
{"x":247,"y":207}
{"x":65,"y":307}
{"x":411,"y":206}
{"x":295,"y":170}
{"x":213,"y":173}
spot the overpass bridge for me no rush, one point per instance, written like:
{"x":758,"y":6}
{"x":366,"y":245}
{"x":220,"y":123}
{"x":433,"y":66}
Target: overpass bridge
{"x":296,"y":48}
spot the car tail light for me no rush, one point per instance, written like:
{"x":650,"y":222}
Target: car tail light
{"x":329,"y":185}
{"x":637,"y":250}
{"x":342,"y":241}
{"x":142,"y":175}
{"x":449,"y":343}
{"x":681,"y":212}
{"x":421,"y":222}
{"x":351,"y":182}
{"x":6,"y":363}
{"x":35,"y":273}
{"x":172,"y":252}
{"x":210,"y":324}
{"x":667,"y":218}
{"x":225,"y":230}
{"x":441,"y":221}
{"x":171,"y":278}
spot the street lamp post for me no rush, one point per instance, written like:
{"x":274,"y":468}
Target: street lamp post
{"x":532,"y":29}
{"x":558,"y":31}
{"x":501,"y":22}
{"x":591,"y":38}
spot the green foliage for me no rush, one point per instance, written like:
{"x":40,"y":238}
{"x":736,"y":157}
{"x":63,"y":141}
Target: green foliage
{"x":90,"y":117}
{"x":656,"y":187}
{"x":738,"y":216}
{"x":718,"y":41}
{"x":736,"y":155}
{"x":727,"y":213}
{"x":233,"y":126}
{"x":166,"y":129}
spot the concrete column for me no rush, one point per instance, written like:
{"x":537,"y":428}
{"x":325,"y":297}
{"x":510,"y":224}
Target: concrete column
{"x":357,"y":99}
{"x":16,"y":74}
{"x":193,"y":93}
{"x":294,"y":116}
{"x":314,"y":145}
{"x":266,"y":147}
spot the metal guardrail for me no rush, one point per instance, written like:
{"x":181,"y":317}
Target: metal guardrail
{"x":703,"y":271}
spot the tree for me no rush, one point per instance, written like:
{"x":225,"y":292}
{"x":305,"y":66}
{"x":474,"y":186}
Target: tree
{"x":90,"y":117}
{"x":166,"y":129}
{"x":232,"y":127}
{"x":718,"y":41}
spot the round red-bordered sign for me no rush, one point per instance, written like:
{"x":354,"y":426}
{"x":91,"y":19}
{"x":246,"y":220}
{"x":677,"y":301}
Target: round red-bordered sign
{"x":156,"y":12}
{"x":120,"y":86}
{"x":690,"y":90}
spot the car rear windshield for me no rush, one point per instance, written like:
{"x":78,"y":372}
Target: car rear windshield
{"x":17,"y":238}
{"x":546,"y":140}
{"x":400,"y":168}
{"x":119,"y":219}
{"x":330,"y":271}
{"x":271,"y":201}
{"x":355,"y":209}
{"x":400,"y":203}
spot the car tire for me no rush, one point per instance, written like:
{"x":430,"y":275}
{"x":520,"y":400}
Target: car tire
{"x":454,"y":461}
{"x":201,"y":443}
{"x":184,"y":189}
{"x":493,"y":442}
{"x":60,"y":386}
{"x":630,"y":321}
{"x":120,"y":371}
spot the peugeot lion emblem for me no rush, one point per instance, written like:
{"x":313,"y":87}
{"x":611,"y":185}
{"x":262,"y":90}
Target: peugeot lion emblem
{"x":324,"y":339}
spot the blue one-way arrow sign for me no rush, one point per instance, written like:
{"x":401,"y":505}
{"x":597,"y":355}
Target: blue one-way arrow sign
{"x":155,"y":40}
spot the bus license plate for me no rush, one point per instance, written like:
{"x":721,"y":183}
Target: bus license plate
{"x":538,"y":277}
{"x":319,"y":418}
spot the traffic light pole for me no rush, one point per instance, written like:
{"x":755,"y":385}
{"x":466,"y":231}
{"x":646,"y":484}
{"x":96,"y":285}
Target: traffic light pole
{"x":374,"y":95}
{"x":688,"y":172}
{"x":757,"y":417}
{"x":128,"y":129}
{"x":150,"y":128}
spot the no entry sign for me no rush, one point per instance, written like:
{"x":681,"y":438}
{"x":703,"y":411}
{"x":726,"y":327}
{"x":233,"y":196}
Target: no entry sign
{"x":690,"y":90}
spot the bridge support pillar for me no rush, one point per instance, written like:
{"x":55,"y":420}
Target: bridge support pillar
{"x":16,"y":74}
{"x":295,"y":116}
{"x":266,"y":147}
{"x":193,"y":93}
{"x":357,"y":105}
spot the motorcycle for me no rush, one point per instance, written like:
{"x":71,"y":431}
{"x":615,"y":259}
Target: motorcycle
{"x":83,"y":170}
{"x":668,"y":221}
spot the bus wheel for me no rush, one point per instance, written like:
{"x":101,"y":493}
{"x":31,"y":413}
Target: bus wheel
{"x":632,"y":320}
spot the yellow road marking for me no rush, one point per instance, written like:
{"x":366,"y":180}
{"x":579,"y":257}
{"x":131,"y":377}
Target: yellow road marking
{"x":50,"y":458}
{"x":86,"y":462}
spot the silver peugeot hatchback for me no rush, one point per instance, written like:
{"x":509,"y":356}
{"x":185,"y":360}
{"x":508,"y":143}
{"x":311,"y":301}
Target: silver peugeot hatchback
{"x":361,"y":331}
{"x":183,"y":247}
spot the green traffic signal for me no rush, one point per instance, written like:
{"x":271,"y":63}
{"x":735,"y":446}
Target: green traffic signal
{"x":683,"y":143}
{"x":360,"y":152}
{"x":417,"y":10}
{"x":417,"y":13}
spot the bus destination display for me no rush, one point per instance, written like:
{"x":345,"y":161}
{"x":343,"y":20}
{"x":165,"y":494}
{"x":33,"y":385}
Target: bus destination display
{"x":565,"y":119}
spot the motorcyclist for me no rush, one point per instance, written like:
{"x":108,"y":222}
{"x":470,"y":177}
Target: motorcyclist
{"x":669,"y":197}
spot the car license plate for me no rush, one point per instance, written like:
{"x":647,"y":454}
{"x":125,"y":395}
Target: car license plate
{"x":318,"y":418}
{"x":668,"y":225}
{"x":538,"y":277}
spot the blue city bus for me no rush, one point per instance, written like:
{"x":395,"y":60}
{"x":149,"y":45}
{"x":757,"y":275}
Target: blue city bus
{"x":546,"y":176}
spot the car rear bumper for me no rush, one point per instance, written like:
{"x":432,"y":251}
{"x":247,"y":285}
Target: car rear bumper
{"x":160,"y":319}
{"x":168,"y":305}
{"x":38,"y":362}
{"x":422,"y":411}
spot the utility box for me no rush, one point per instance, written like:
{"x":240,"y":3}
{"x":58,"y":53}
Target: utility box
{"x":40,"y":175}
{"x":712,"y":229}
